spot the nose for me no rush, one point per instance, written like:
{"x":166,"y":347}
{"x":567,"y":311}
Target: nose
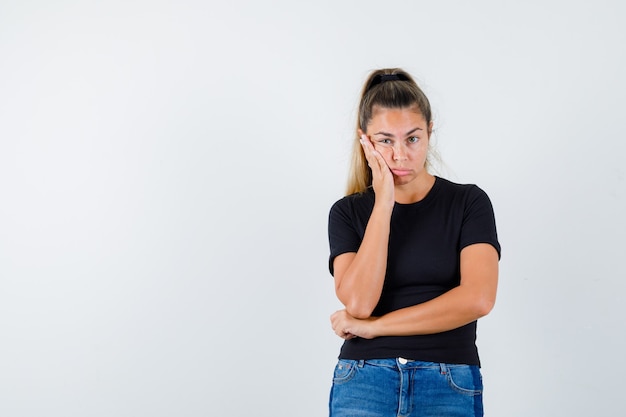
{"x":399,"y":153}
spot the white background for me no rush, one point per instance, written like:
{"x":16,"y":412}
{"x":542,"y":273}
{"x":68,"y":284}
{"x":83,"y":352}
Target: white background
{"x":166,"y":170}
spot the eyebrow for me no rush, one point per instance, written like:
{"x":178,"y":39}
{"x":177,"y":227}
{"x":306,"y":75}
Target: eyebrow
{"x":391,"y":135}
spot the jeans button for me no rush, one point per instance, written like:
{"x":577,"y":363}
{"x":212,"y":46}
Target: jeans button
{"x":402,"y":361}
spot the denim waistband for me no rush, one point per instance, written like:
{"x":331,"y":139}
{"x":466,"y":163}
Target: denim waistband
{"x":404,"y":363}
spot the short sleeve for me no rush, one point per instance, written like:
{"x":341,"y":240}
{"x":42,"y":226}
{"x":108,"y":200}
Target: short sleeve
{"x":343,"y":235}
{"x":479,"y":225}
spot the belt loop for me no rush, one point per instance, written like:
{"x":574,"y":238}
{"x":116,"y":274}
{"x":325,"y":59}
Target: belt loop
{"x":361,"y":363}
{"x":444,"y":368}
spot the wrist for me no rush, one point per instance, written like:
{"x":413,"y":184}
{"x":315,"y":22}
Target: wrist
{"x":383,"y":208}
{"x":376,"y":329}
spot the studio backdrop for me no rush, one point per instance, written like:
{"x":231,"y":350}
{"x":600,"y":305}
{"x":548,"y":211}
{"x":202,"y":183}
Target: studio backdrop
{"x":167,"y":167}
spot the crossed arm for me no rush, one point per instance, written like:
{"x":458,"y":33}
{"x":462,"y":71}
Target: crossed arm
{"x":359,"y":285}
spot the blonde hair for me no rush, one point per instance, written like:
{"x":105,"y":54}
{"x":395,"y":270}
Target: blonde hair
{"x":391,"y":88}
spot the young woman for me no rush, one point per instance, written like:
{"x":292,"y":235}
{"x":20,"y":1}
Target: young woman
{"x":415,"y":262}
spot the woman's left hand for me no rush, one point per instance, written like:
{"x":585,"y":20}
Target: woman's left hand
{"x":347,"y":327}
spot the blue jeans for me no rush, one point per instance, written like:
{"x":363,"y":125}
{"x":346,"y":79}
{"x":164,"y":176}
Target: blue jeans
{"x":397,"y":387}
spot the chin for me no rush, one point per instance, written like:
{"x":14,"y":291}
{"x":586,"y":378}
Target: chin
{"x":403,"y":180}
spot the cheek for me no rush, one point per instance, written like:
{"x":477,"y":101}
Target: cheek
{"x":385,"y":151}
{"x":421,"y":151}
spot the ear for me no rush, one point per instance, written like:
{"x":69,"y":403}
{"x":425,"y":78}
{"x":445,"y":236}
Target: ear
{"x":430,"y":128}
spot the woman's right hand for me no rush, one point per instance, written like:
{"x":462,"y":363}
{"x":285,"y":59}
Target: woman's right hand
{"x":382,"y":178}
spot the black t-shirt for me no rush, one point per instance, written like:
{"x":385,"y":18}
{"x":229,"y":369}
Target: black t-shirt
{"x":423,"y":262}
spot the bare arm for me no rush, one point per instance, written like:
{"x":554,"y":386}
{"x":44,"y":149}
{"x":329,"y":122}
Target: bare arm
{"x":472,"y":299}
{"x":359,"y":276}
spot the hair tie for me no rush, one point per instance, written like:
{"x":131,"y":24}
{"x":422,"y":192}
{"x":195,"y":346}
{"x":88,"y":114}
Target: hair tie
{"x":381,"y":78}
{"x":389,"y":77}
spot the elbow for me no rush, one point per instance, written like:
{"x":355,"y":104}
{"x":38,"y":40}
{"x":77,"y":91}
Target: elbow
{"x":484,"y":305}
{"x":359,"y":310}
{"x":359,"y":307}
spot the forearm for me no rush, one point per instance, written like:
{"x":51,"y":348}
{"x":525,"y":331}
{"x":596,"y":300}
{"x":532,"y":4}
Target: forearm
{"x":455,"y":308}
{"x":472,"y":299}
{"x":360,"y":284}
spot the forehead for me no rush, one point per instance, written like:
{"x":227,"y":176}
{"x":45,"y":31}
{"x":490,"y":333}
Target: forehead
{"x":397,"y":117}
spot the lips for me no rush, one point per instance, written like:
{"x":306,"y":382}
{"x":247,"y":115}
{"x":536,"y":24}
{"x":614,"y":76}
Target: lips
{"x":399,"y":172}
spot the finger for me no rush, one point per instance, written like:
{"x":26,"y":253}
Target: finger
{"x":343,"y":334}
{"x":348,"y":336}
{"x":367,"y":147}
{"x":382,"y":164}
{"x":335,"y":322}
{"x":378,"y":163}
{"x":367,"y":143}
{"x":335,"y":316}
{"x":371,"y":154}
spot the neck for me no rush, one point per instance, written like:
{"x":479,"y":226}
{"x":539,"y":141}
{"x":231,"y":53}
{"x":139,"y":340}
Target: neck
{"x":415,"y":191}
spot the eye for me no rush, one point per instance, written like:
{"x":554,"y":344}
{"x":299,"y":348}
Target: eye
{"x":413,"y":139}
{"x":385,"y":141}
